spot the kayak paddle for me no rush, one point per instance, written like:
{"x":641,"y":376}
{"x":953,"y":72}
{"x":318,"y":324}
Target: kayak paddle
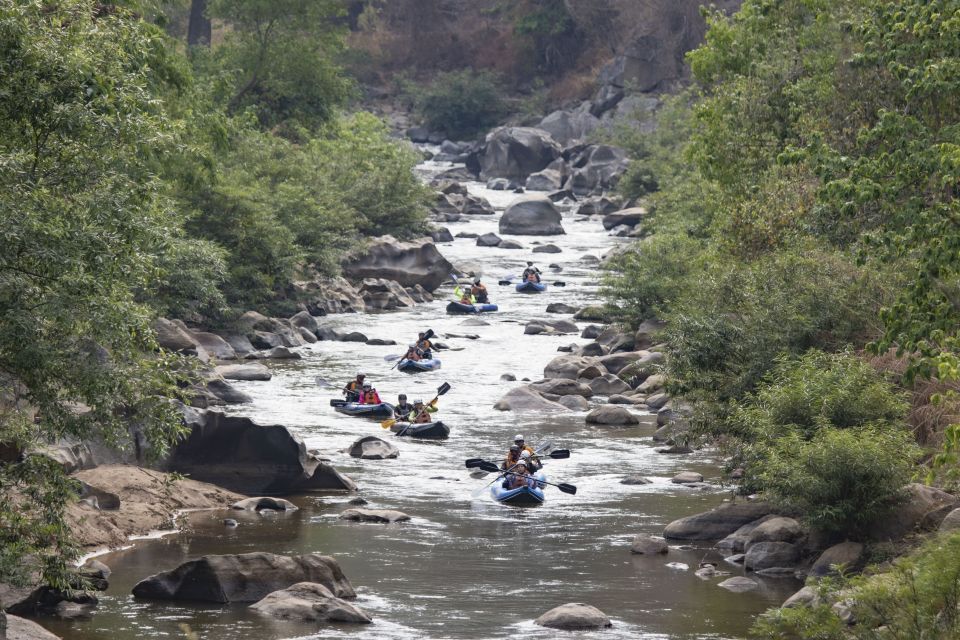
{"x":564,"y":487}
{"x":324,"y":383}
{"x":559,"y":454}
{"x":442,"y":389}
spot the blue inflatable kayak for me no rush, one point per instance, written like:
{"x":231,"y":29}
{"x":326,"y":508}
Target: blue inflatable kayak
{"x":458,"y":307}
{"x":521,"y":496}
{"x":417,"y":366}
{"x":531,"y":287}
{"x":382,"y":410}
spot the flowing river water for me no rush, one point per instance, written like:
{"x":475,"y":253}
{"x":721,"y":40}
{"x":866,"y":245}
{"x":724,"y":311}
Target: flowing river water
{"x":465,"y":566}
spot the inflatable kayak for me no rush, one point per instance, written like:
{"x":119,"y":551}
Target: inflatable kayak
{"x":531,"y":287}
{"x":416,"y":366}
{"x":458,"y":307}
{"x":382,"y":410}
{"x":427,"y":430}
{"x":521,"y":496}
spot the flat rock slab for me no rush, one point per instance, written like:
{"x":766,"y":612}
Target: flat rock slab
{"x":244,"y":372}
{"x":374,"y":515}
{"x":257,"y":504}
{"x":686,"y":477}
{"x":310,"y":602}
{"x":23,"y":629}
{"x":716,"y":523}
{"x":636,"y":480}
{"x":739,"y":584}
{"x":574,"y":616}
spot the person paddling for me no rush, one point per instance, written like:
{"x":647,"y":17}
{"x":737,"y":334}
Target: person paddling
{"x":369,"y":395}
{"x":520,"y":443}
{"x":531,"y":273}
{"x":513,"y":457}
{"x":421,"y":412}
{"x":403,"y":409}
{"x":413,"y":354}
{"x":424,"y":345}
{"x":464,"y":296}
{"x":479,"y":292}
{"x":354,"y":388}
{"x":521,"y":473}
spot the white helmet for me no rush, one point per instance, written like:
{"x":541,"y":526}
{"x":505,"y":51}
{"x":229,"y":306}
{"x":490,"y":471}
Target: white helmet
{"x":361,"y":374}
{"x":518,"y":437}
{"x":525,"y":455}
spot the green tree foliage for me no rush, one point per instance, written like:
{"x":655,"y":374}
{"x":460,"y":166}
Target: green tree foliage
{"x":461,"y":103}
{"x":552,"y":33}
{"x":83,"y":224}
{"x":280,"y":55}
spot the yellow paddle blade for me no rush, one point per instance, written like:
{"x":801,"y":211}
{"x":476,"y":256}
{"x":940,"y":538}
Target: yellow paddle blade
{"x":386,"y":424}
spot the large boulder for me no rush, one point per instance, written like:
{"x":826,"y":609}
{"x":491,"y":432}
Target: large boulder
{"x":778,"y":529}
{"x":531,"y":215}
{"x":516,"y":152}
{"x":611,"y":414}
{"x":570,"y":367}
{"x":527,"y":399}
{"x":716,"y":523}
{"x":736,"y":541}
{"x":630,"y":217}
{"x":310,"y":602}
{"x":259,"y":328}
{"x":562,"y":387}
{"x":596,"y":169}
{"x":215,"y":346}
{"x":22,"y":629}
{"x":546,"y":180}
{"x":372,"y":448}
{"x":246,"y":577}
{"x":237,"y":453}
{"x":380,"y":294}
{"x":489,"y":240}
{"x":252,"y":371}
{"x":608,"y":384}
{"x":848,"y":555}
{"x":173,"y":335}
{"x":408,"y":263}
{"x":567,"y":127}
{"x":921,"y":507}
{"x":768,"y":555}
{"x":574,"y":616}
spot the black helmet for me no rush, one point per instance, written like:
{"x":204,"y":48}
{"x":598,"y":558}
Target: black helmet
{"x":402,"y":396}
{"x":476,"y":281}
{"x":529,"y":263}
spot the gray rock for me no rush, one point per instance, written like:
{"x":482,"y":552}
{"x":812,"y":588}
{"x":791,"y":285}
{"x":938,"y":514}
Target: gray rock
{"x":407,"y":263}
{"x":597,"y":206}
{"x":516,"y":152}
{"x":229,"y":522}
{"x":559,"y":307}
{"x":241,"y":345}
{"x":441,"y":235}
{"x":805,"y":597}
{"x":608,"y":384}
{"x":569,"y":366}
{"x":374,"y":515}
{"x":574,"y":403}
{"x":648,"y":545}
{"x":281,"y":353}
{"x":508,"y":377}
{"x":545,"y":180}
{"x":22,"y":629}
{"x":574,"y":616}
{"x":778,"y":529}
{"x":676,"y":449}
{"x":922,"y":507}
{"x":562,"y":387}
{"x":308,"y":336}
{"x":636,"y":480}
{"x":353,"y":336}
{"x":214,"y":345}
{"x":611,"y":415}
{"x":847,"y":554}
{"x":510,"y":244}
{"x":591,"y":331}
{"x":489,"y":240}
{"x":258,"y":504}
{"x":630,"y":217}
{"x":739,"y":584}
{"x":243,"y":372}
{"x":951,"y":522}
{"x":621,"y":399}
{"x":657,"y":401}
{"x":737,"y":541}
{"x":174,"y":337}
{"x":569,"y":126}
{"x":372,"y":448}
{"x":716,"y":523}
{"x":764,"y":555}
{"x":686,"y":477}
{"x":310,"y":602}
{"x":246,"y":577}
{"x":381,"y":342}
{"x":531,"y":216}
{"x":527,"y":399}
{"x":547,"y":248}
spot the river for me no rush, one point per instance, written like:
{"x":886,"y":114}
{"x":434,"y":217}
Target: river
{"x":465,"y":566}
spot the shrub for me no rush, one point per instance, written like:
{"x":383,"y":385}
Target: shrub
{"x":818,"y":391}
{"x":919,"y":597}
{"x":461,"y":103}
{"x":841,"y":479}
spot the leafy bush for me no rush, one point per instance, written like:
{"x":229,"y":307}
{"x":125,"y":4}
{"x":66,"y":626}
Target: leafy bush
{"x":918,"y":597}
{"x":819,"y":391}
{"x":461,"y":103}
{"x":840,"y":480}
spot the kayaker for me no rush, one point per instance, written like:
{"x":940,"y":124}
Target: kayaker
{"x":413,"y":354}
{"x":424,"y":345}
{"x":520,"y":476}
{"x":479,"y":292}
{"x":513,"y":457}
{"x":519,"y":442}
{"x":421,"y":412}
{"x":531,"y":273}
{"x":403,"y":409}
{"x":369,"y":395}
{"x":354,"y":388}
{"x":464,"y":296}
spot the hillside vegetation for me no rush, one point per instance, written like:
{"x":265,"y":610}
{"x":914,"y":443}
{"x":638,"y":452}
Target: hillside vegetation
{"x":805,"y":189}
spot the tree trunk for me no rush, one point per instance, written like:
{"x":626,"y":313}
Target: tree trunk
{"x":199,"y":31}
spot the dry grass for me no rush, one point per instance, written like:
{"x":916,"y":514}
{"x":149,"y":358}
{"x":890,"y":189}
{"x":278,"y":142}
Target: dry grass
{"x":927,"y":419}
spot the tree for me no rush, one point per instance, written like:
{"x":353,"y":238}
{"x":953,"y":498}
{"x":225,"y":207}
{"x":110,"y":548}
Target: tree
{"x":281,"y":53}
{"x":82,"y":222}
{"x":199,"y":32}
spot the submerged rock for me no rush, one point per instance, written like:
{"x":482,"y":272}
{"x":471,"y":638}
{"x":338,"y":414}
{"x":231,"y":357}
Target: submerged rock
{"x":739,"y":584}
{"x":258,"y":504}
{"x":372,"y":448}
{"x":374,"y":515}
{"x":648,"y":545}
{"x":574,"y":616}
{"x":310,"y":602}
